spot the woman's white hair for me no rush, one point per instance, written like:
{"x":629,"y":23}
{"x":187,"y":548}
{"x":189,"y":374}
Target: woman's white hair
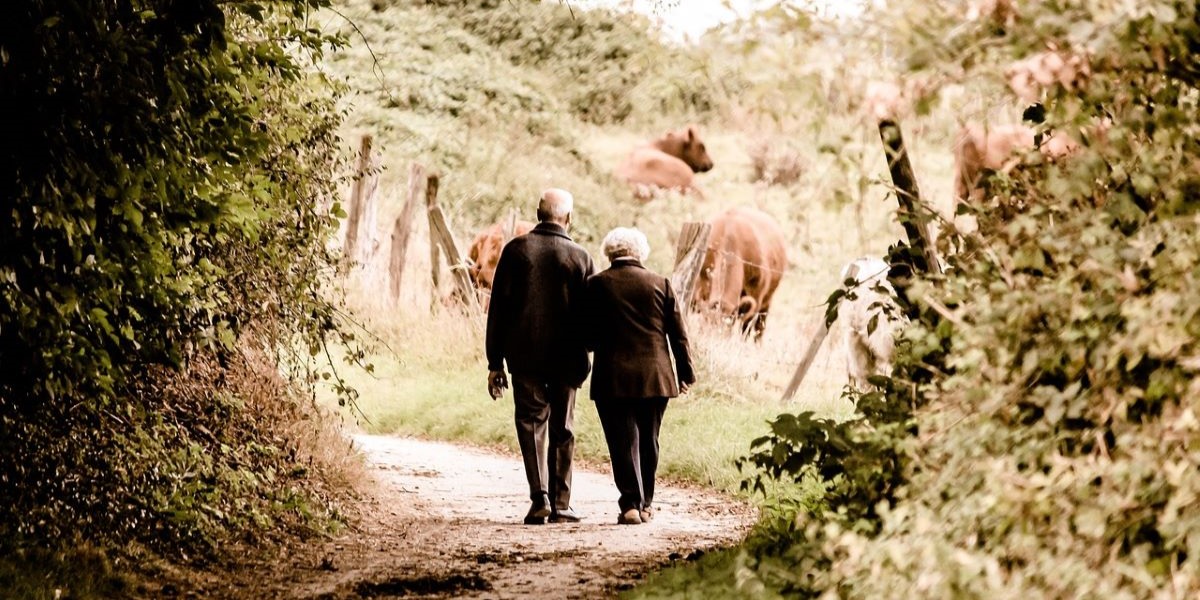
{"x":625,"y":242}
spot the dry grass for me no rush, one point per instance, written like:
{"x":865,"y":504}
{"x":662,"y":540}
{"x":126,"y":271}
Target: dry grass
{"x":774,"y":161}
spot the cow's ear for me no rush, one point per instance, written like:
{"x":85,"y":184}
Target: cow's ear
{"x":691,"y":134}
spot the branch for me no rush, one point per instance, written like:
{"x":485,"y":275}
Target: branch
{"x":942,"y":310}
{"x":376,"y":68}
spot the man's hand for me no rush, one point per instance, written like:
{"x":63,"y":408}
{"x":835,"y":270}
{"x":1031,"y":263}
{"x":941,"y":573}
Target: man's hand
{"x":497,"y":383}
{"x":684,"y":387}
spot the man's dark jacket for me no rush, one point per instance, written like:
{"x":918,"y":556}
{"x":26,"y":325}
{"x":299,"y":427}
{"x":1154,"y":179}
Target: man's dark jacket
{"x":632,"y":317}
{"x":535,"y":317}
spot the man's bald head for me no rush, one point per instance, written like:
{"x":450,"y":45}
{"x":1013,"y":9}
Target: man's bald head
{"x":556,"y":206}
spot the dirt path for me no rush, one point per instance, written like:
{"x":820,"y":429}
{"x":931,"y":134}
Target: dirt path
{"x":445,"y":521}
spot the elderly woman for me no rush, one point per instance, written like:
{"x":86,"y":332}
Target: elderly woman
{"x":635,"y":325}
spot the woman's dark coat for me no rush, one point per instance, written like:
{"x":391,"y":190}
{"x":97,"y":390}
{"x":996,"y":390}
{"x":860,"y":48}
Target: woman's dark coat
{"x":634,"y":325}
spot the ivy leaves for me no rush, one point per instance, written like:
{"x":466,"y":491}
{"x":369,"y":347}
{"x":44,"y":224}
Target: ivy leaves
{"x":164,"y":211}
{"x":1038,"y":436}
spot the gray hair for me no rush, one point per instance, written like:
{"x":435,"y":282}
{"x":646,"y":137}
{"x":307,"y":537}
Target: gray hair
{"x":556,"y":205}
{"x":625,"y":242}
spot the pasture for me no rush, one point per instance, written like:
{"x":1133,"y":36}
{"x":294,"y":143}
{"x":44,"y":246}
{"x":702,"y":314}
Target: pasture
{"x":429,"y":368}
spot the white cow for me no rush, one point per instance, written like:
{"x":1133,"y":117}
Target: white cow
{"x":869,"y":351}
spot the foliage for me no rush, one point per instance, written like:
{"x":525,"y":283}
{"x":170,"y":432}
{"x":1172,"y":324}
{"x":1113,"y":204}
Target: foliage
{"x":1051,"y":450}
{"x":775,"y":161}
{"x":607,"y":65}
{"x":803,"y":112}
{"x":856,"y":458}
{"x":164,"y":224}
{"x":465,"y":86}
{"x":433,"y":92}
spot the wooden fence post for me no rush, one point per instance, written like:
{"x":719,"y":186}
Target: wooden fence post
{"x":402,"y":229}
{"x":689,"y":258}
{"x":511,"y":232}
{"x":435,"y":259}
{"x":908,"y":196}
{"x":440,"y":232}
{"x":360,"y":221}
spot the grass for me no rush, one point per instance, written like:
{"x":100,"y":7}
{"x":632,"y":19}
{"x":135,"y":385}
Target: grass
{"x":432,"y":384}
{"x":713,"y":576}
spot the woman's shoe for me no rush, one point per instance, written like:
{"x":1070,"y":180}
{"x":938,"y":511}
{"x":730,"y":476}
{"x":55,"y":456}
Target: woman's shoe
{"x":630,"y":517}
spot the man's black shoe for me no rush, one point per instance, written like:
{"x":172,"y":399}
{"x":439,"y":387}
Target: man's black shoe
{"x":538,"y":511}
{"x":565,"y":515}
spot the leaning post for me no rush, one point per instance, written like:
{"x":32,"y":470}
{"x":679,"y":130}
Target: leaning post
{"x":439,"y":230}
{"x":689,"y":258}
{"x":908,"y":196}
{"x":810,"y":354}
{"x":916,"y":228}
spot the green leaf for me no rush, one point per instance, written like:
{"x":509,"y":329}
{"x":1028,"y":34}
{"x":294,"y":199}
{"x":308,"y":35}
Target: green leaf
{"x":1029,"y":257}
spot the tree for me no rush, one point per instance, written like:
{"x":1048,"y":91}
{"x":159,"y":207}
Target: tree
{"x":162,"y":218}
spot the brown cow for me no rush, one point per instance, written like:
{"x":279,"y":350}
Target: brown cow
{"x":979,"y":149}
{"x":485,"y":253}
{"x":742,"y":268}
{"x":667,"y":163}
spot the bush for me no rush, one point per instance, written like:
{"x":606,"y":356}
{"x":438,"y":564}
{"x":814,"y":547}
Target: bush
{"x":608,"y":66}
{"x":163,"y":224}
{"x":774,"y":161}
{"x":1050,"y":447}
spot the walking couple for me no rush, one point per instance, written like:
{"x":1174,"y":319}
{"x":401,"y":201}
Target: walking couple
{"x":548,"y":309}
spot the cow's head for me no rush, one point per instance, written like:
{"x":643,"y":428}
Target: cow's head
{"x":711,"y":299}
{"x":482,"y":262}
{"x":721,"y":299}
{"x":476,"y":274}
{"x":482,"y":257}
{"x":481,"y":277}
{"x":702,"y":295}
{"x":687,"y":146}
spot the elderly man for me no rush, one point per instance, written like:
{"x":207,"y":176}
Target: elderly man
{"x":634,"y":326}
{"x":534,"y":325}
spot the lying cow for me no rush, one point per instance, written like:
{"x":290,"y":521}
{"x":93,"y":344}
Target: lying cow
{"x":485,"y":253}
{"x":743,"y":265}
{"x":665,"y":164}
{"x":870,"y":347}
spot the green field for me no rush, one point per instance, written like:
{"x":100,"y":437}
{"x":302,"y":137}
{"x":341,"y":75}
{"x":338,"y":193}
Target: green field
{"x":432,"y":386}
